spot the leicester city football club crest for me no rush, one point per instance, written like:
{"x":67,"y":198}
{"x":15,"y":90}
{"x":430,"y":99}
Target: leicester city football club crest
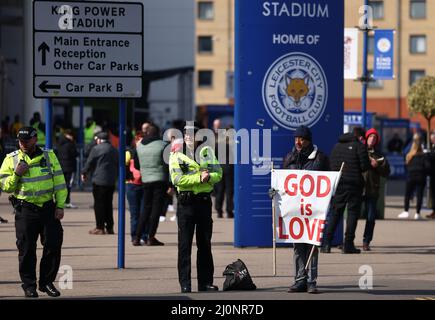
{"x":295,"y":90}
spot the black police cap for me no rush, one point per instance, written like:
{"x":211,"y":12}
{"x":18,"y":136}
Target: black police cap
{"x":26,"y":133}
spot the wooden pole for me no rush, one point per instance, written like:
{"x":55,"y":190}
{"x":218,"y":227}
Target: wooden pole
{"x":273,"y":232}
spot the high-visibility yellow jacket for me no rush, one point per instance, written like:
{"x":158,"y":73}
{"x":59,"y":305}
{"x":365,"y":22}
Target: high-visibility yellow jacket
{"x":44,"y":181}
{"x":186,"y":173}
{"x":89,"y":133}
{"x":40,"y":134}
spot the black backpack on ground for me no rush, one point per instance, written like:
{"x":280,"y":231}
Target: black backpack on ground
{"x":237,"y":277}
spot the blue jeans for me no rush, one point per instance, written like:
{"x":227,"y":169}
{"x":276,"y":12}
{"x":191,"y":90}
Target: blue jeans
{"x":371,"y":203}
{"x":301,"y":254}
{"x":135,"y":198}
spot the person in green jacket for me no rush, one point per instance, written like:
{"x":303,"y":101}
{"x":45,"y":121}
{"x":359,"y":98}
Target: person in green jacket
{"x":194,"y":181}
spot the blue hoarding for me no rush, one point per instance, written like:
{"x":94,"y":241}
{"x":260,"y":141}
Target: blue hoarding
{"x":383,"y":54}
{"x":289,"y":72}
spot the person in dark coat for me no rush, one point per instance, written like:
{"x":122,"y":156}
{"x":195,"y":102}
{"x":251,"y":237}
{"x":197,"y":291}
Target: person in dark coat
{"x":103,"y":164}
{"x":431,"y":157}
{"x":379,"y":167}
{"x":349,"y":191}
{"x":305,"y":156}
{"x":418,"y":166}
{"x":67,"y":154}
{"x":225,"y":187}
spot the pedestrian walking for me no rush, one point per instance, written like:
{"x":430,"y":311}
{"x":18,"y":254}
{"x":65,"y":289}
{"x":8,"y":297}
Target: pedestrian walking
{"x":224,"y":189}
{"x":154,"y":174}
{"x":305,"y":156}
{"x":134,"y":189}
{"x":67,"y":155}
{"x":102,"y":163}
{"x":194,"y":180}
{"x":34,"y":178}
{"x":431,"y":156}
{"x":379,"y":167}
{"x":418,"y":166}
{"x":349,"y":191}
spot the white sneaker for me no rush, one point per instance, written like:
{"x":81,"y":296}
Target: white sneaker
{"x":404,"y":215}
{"x":417,"y":216}
{"x":70,"y":206}
{"x":173,"y":218}
{"x":162,"y":219}
{"x":171,"y":208}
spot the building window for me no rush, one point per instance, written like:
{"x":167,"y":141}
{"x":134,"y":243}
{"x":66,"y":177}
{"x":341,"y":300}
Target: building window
{"x":205,"y":10}
{"x":418,"y":9}
{"x":205,"y":78}
{"x":378,"y":9}
{"x":205,"y":44}
{"x":375,"y":83}
{"x":414,"y":75}
{"x":370,"y":44}
{"x":418,"y":44}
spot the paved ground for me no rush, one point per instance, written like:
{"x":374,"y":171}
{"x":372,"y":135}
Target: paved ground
{"x":402,"y":260}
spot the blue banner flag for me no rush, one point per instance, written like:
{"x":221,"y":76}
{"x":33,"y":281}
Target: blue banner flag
{"x":384,"y":53}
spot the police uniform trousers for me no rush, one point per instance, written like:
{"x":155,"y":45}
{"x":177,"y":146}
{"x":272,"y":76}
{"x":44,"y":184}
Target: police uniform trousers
{"x":197,"y":215}
{"x":29,"y":224}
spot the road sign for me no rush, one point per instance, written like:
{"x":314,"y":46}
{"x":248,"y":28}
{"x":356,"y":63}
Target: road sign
{"x":92,"y":87}
{"x":87,"y":49}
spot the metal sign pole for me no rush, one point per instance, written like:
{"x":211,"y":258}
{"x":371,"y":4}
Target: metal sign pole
{"x":121,"y":185}
{"x":274,"y":231}
{"x":81,"y":140}
{"x":48,"y":124}
{"x":365,"y":75}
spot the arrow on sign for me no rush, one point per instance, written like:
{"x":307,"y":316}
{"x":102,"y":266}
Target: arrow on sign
{"x":44,"y":48}
{"x":44,"y":86}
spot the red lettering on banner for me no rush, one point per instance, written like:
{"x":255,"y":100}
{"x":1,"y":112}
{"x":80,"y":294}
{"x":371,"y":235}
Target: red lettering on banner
{"x":308,"y":208}
{"x":280,"y":230}
{"x":312,"y":185}
{"x":320,"y":228}
{"x":319,"y":194}
{"x":311,"y":230}
{"x":294,"y":191}
{"x":301,"y":228}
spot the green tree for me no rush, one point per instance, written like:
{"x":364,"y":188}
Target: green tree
{"x":421,"y":99}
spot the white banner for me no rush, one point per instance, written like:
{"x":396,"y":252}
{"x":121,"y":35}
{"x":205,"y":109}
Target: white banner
{"x":301,"y":204}
{"x":350,"y":53}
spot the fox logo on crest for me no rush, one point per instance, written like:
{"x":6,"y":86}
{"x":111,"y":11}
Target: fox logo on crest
{"x":298,"y":88}
{"x":295,"y":90}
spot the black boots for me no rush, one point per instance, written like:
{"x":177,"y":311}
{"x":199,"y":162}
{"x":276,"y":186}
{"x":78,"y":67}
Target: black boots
{"x":349,"y":247}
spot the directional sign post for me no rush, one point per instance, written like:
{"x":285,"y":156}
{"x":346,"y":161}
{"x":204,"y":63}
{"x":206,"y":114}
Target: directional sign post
{"x":87,"y":49}
{"x":90,"y":50}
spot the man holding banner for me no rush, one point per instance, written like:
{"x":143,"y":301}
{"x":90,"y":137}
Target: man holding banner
{"x":303,"y":199}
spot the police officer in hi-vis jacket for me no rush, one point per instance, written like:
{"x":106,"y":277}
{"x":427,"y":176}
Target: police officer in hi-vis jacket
{"x":194,"y":181}
{"x":35,"y":179}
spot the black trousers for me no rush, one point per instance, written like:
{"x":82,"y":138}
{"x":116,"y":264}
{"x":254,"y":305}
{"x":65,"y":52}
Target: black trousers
{"x":154,"y":193}
{"x":103,"y":208}
{"x":352,"y":197}
{"x":418,"y":187}
{"x":196,"y":215}
{"x":28,"y":226}
{"x":432,"y":191}
{"x":225,"y":188}
{"x":68,"y":176}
